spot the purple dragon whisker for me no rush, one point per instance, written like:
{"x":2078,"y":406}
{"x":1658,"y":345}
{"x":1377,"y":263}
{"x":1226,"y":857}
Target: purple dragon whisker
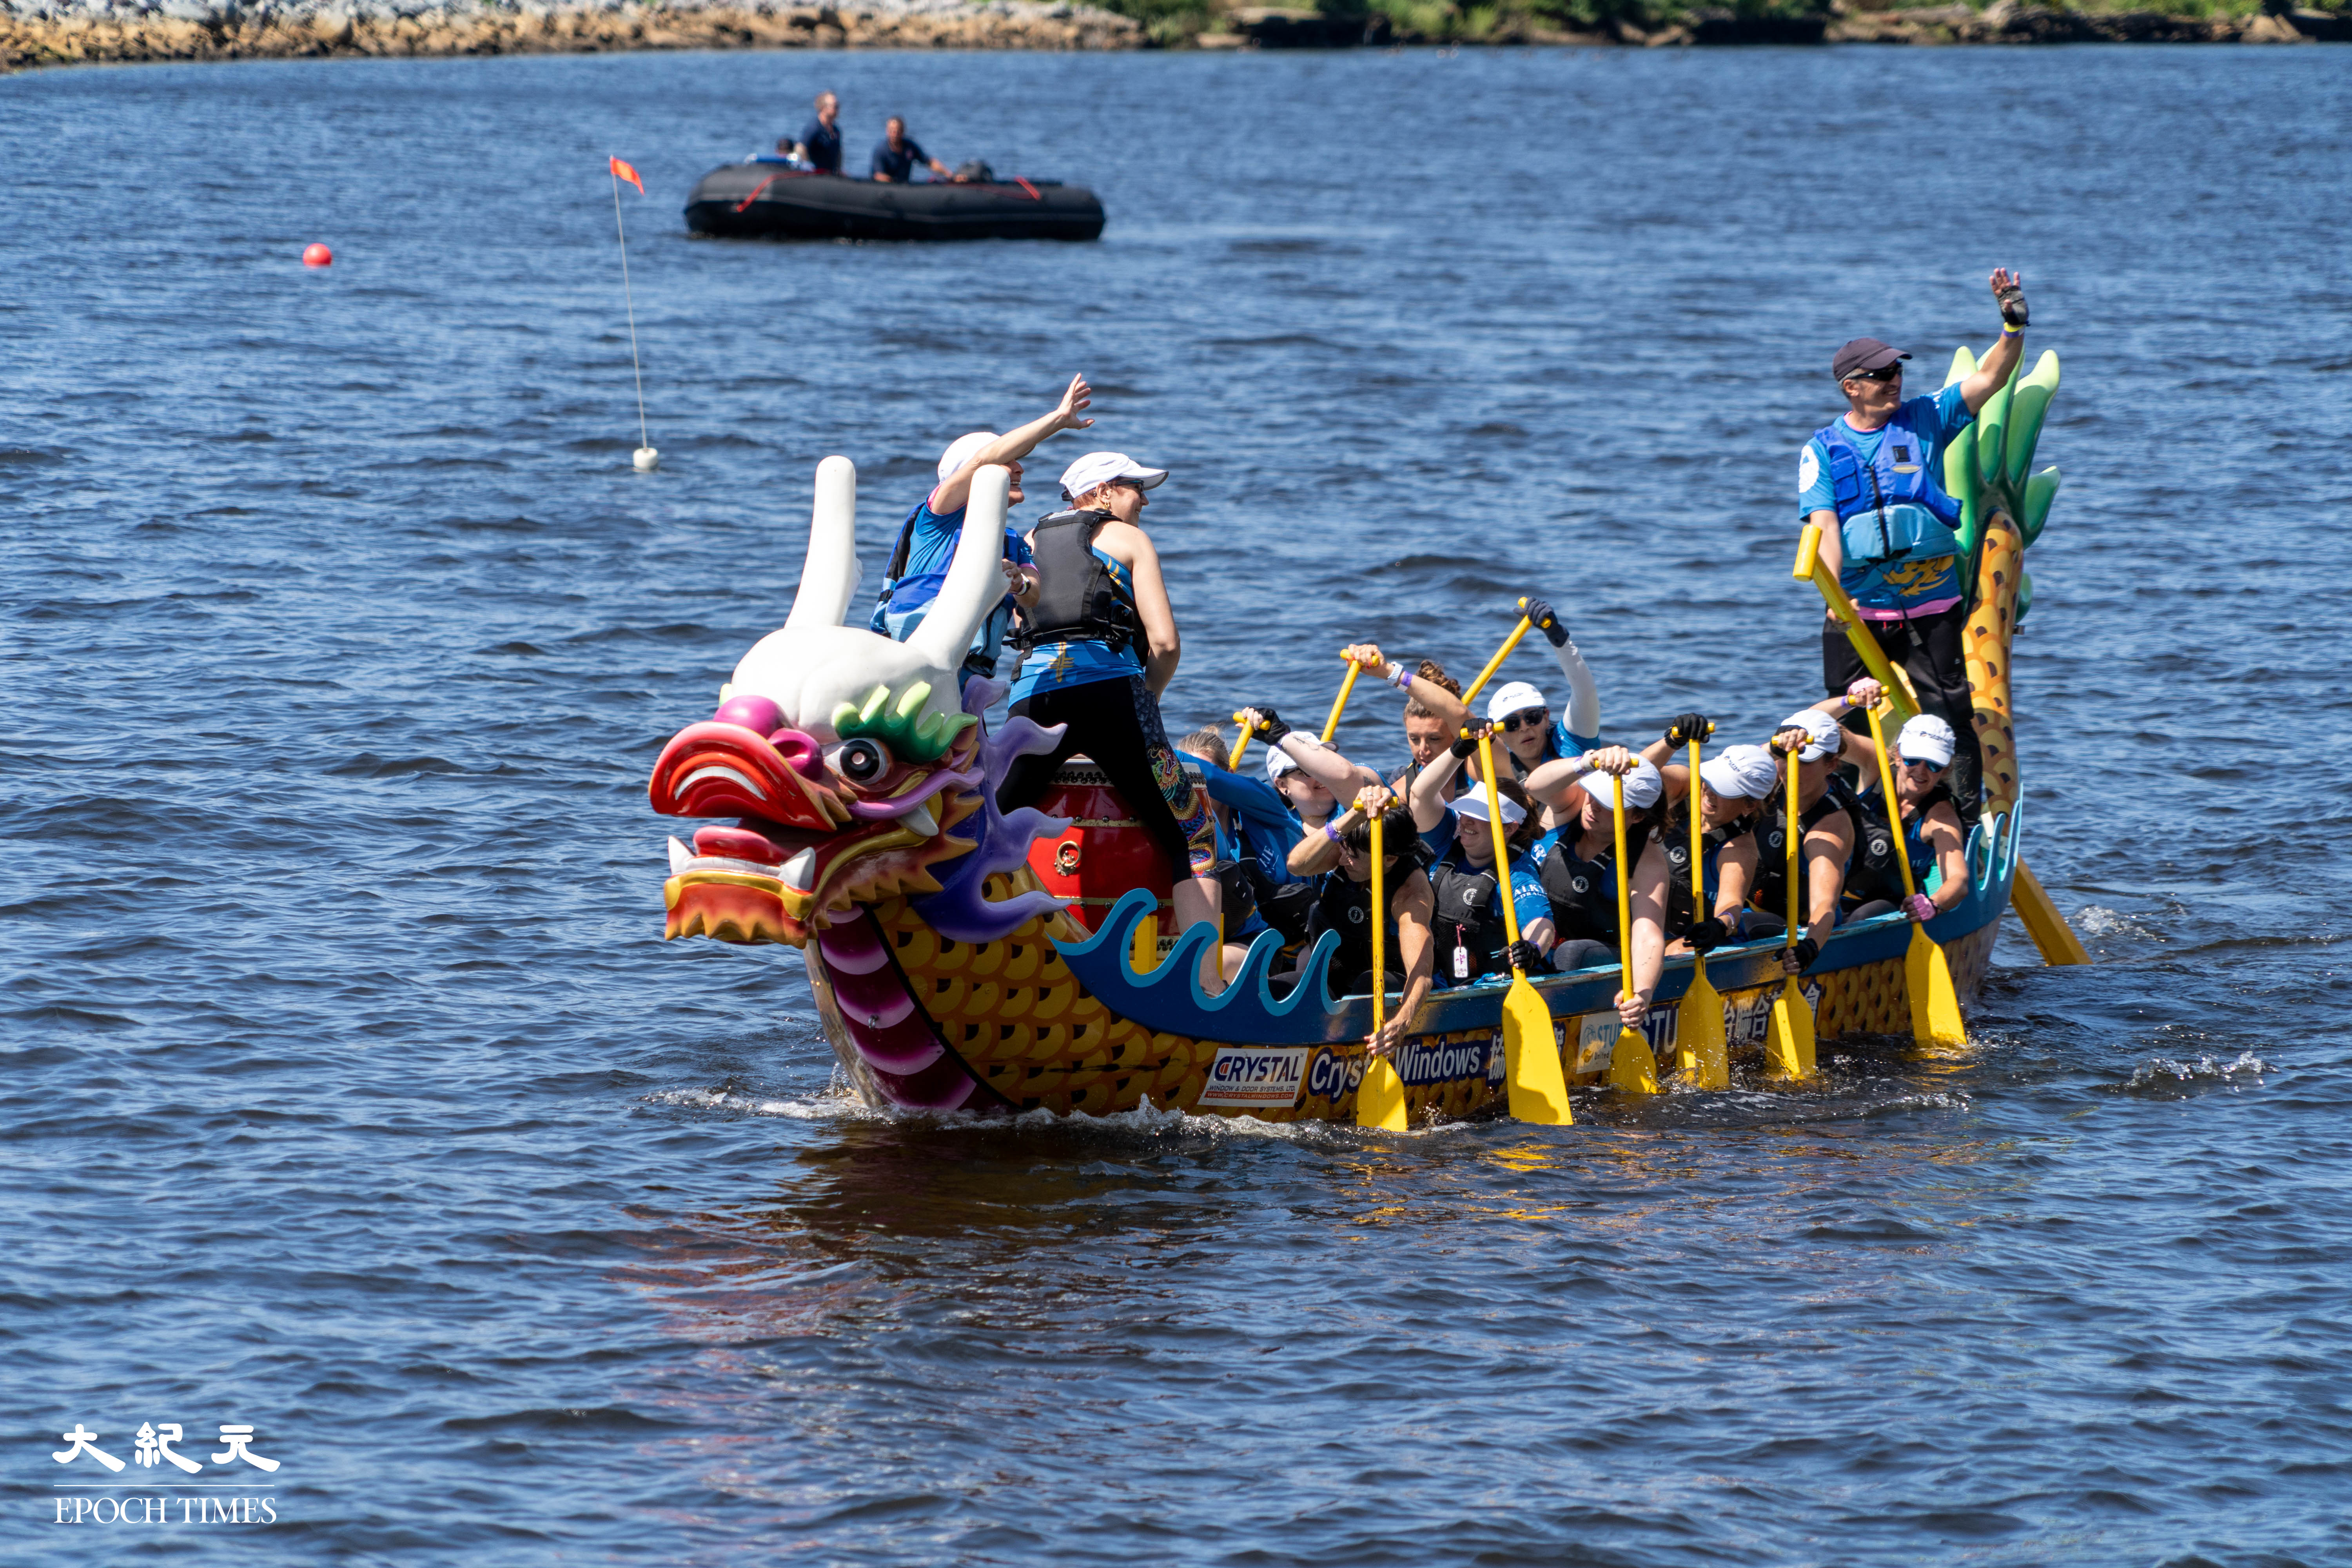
{"x":959,"y":910}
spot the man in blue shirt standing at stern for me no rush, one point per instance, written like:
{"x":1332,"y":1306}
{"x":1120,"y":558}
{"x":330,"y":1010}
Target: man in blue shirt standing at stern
{"x":1872,"y":479}
{"x":820,"y":143}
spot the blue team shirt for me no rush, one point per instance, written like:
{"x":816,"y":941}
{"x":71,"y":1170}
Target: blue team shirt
{"x":1264,"y":824}
{"x":1937,"y":419}
{"x":902,"y":163}
{"x":1080,"y":663}
{"x":823,"y":145}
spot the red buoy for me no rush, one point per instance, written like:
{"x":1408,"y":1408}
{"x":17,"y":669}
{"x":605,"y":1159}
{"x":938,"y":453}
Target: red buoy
{"x":318,"y":255}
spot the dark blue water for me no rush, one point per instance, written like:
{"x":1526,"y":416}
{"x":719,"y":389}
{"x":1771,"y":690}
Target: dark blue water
{"x":350,"y":1092}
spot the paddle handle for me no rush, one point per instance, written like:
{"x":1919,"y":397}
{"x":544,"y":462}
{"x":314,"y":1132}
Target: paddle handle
{"x":1699,"y":840}
{"x":1893,"y":807}
{"x":1795,"y":835}
{"x":1339,"y":703}
{"x":1241,"y":744}
{"x":1494,"y":664}
{"x":1495,"y":824}
{"x":1624,"y":895}
{"x":1380,"y":926}
{"x":1865,"y":646}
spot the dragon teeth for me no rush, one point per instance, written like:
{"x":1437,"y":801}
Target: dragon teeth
{"x":800,"y":871}
{"x":919,"y":820}
{"x":680,"y":856}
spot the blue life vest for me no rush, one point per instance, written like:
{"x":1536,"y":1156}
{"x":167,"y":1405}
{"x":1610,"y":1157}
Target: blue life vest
{"x":906,"y":600}
{"x":1894,"y":520}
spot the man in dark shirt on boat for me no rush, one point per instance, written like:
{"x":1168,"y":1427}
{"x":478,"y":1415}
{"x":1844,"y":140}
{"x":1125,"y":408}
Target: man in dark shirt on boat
{"x":820,"y":143}
{"x":897,"y":153}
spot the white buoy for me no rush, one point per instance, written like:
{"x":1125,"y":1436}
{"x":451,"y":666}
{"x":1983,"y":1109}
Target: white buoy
{"x":646,"y":458}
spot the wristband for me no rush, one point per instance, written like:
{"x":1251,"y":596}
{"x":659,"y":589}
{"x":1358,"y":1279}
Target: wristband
{"x":1401,"y":677}
{"x":2008,"y":331}
{"x":1331,"y":833}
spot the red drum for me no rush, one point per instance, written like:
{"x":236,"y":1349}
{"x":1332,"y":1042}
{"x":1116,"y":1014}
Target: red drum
{"x":1105,"y":852}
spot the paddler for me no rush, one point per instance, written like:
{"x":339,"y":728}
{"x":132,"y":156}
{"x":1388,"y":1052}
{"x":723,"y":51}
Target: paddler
{"x":1527,"y":734}
{"x":1933,"y":837}
{"x":1343,"y":901}
{"x":1754,"y":866}
{"x":1734,"y":786}
{"x":1577,"y":862}
{"x":1872,"y":480}
{"x":1433,"y":713}
{"x":1472,"y":939}
{"x":927,"y":539}
{"x":1303,"y":782}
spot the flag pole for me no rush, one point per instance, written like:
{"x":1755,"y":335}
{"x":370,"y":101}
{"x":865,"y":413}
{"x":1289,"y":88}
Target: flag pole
{"x":645,"y":457}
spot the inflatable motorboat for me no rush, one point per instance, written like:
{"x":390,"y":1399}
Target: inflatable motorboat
{"x":966,"y":959}
{"x":769,"y":200}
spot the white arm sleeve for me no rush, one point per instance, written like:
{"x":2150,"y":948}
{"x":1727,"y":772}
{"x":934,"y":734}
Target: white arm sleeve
{"x":1583,"y":696}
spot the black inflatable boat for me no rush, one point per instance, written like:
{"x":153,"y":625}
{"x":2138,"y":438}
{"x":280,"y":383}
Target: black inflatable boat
{"x":776,"y":201}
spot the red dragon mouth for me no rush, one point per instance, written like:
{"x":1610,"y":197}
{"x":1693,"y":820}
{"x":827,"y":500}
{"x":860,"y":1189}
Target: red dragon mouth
{"x":810,"y":844}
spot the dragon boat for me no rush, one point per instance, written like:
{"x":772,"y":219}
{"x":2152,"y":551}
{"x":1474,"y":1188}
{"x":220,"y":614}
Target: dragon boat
{"x":969,"y":960}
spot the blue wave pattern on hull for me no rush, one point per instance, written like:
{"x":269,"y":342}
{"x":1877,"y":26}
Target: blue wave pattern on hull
{"x":1247,"y":1012}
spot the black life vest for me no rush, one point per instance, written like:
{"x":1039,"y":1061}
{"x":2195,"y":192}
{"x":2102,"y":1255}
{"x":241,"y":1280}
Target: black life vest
{"x":1078,"y":600}
{"x":1471,"y":939}
{"x":1873,"y":873}
{"x":1680,"y":917}
{"x":1583,"y":893}
{"x":1770,"y":894}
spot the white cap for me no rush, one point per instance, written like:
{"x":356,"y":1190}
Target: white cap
{"x":1644,"y":786}
{"x":1515,"y":697}
{"x":1474,"y":805}
{"x":960,"y":451}
{"x":1827,"y":741}
{"x":1741,"y":773}
{"x":1927,"y":738}
{"x":1278,"y":762}
{"x":1101,"y":468}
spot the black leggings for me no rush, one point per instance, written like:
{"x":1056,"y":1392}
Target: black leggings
{"x":1928,"y":649}
{"x":1117,"y":723}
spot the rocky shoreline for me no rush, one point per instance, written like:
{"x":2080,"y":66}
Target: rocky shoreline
{"x":193,"y":30}
{"x":35,"y":33}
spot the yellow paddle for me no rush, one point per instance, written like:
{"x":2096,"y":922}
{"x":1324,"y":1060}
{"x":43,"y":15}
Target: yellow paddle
{"x":1530,"y":1052}
{"x":1495,"y":663}
{"x":1241,"y":744}
{"x":1926,"y":976}
{"x":1380,"y":1099}
{"x":1339,"y":703}
{"x":1700,"y":1053}
{"x":1632,"y":1067}
{"x":1789,"y":1038}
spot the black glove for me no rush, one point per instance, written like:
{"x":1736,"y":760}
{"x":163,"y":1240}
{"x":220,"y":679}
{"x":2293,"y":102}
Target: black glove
{"x":1804,"y":953}
{"x":2012,"y":305}
{"x":1465,"y":747}
{"x":1270,"y":725}
{"x":1523,"y":956}
{"x":1708,"y":934}
{"x":1538,"y":613}
{"x":1687,"y":727}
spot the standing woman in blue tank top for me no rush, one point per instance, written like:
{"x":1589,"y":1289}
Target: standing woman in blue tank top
{"x":1099,"y":646}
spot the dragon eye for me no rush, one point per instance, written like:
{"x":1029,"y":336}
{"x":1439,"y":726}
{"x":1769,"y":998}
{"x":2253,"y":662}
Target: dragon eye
{"x":861,"y":760}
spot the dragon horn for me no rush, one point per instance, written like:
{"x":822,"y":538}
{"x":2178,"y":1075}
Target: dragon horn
{"x":831,"y":576}
{"x":975,"y":582}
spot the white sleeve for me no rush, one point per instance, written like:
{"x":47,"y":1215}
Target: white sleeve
{"x":1583,"y":696}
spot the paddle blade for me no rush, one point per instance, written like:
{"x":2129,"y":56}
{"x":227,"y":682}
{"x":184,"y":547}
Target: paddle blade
{"x":1531,"y":1058}
{"x":1789,"y":1038}
{"x":1699,"y":1051}
{"x":1633,"y":1066}
{"x":1935,"y":1003}
{"x":1380,"y":1099}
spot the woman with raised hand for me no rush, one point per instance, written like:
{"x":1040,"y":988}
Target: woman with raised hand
{"x":1933,"y":839}
{"x":1099,"y":646}
{"x":1267,"y":817}
{"x":1734,"y":786}
{"x":1522,"y":715}
{"x":1472,"y":936}
{"x":1433,"y":714}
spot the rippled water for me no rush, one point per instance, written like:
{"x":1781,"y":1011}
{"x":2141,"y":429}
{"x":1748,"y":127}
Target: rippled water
{"x":350,"y":1092}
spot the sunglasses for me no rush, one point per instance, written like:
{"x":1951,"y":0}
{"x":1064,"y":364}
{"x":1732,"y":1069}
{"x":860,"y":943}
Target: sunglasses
{"x":1527,"y":718}
{"x":1892,"y":373}
{"x":1911,"y":767}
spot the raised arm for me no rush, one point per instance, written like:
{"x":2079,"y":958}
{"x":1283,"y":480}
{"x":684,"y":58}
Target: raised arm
{"x":1010,"y":447}
{"x":1416,"y":688}
{"x":1989,"y":377}
{"x":1583,"y":715}
{"x":1427,"y":796}
{"x":1318,"y":762}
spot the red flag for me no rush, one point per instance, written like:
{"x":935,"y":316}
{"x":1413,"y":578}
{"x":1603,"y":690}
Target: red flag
{"x":620,"y":170}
